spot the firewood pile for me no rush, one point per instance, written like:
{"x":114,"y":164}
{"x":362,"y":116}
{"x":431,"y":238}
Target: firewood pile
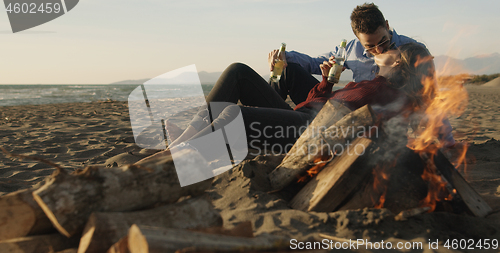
{"x":356,"y":165}
{"x":101,"y":209}
{"x":338,"y":162}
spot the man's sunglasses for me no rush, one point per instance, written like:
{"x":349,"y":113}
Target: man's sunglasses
{"x":382,"y":44}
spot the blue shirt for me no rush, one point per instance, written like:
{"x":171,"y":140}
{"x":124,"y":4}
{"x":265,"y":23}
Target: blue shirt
{"x":359,"y":60}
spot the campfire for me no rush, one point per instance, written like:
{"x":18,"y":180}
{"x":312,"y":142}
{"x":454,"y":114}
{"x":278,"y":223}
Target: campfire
{"x":407,"y":172}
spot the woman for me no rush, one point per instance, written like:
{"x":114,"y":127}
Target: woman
{"x":396,"y":89}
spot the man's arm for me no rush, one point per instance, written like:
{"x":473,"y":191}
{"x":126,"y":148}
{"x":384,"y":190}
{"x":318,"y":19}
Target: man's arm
{"x":310,"y":64}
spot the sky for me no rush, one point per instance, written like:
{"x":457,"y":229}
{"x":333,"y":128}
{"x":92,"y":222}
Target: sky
{"x":106,"y":41}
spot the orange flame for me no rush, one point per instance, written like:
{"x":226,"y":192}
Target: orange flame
{"x":450,"y":99}
{"x":461,"y":159}
{"x":447,"y":97}
{"x":381,"y":201}
{"x":319,"y":164}
{"x":380,"y":179}
{"x":437,"y":186}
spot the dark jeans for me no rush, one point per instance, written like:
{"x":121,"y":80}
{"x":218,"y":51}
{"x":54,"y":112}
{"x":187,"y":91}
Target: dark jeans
{"x":268,"y":119}
{"x":295,"y":82}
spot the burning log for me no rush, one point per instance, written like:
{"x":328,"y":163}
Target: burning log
{"x":20,"y":216}
{"x":68,"y":200}
{"x":38,"y":244}
{"x":394,"y":183}
{"x":408,"y":181}
{"x":332,"y":139}
{"x":336,"y":182}
{"x":474,"y":202}
{"x":105,"y":229}
{"x":151,"y":239}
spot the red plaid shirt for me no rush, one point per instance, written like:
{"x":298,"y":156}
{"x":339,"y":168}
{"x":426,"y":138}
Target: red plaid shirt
{"x":355,"y":95}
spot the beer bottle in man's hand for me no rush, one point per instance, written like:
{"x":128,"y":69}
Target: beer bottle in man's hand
{"x":336,"y":70}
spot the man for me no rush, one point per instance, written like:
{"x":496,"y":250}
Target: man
{"x":373,"y":37}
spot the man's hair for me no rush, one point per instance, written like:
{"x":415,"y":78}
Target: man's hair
{"x":366,"y":18}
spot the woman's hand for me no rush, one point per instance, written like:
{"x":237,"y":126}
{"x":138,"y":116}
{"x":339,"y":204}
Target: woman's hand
{"x":327,"y":65}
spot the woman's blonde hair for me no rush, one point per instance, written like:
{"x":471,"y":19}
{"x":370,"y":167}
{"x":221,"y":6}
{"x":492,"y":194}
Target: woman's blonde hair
{"x":415,"y":75}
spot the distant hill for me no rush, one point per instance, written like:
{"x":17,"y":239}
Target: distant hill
{"x":477,"y":65}
{"x":209,"y":77}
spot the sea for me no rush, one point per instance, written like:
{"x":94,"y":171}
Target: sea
{"x":53,"y":94}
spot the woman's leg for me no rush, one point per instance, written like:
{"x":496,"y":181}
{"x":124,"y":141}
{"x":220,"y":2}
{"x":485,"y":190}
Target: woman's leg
{"x":268,"y":128}
{"x":240,"y":82}
{"x":276,"y":130}
{"x":265,"y":129}
{"x":237,"y":82}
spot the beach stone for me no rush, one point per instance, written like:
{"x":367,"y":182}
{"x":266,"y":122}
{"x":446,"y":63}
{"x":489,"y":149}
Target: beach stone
{"x":498,"y":191}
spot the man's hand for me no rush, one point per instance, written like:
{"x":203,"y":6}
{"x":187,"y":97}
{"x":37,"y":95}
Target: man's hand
{"x":327,"y":65}
{"x":271,"y":58}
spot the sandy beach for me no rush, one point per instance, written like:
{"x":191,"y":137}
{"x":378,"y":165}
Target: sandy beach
{"x":76,"y":135}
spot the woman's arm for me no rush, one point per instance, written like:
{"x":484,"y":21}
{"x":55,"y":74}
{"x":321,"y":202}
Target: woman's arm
{"x":323,"y":88}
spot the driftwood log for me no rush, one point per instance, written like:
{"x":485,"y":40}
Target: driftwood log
{"x":336,"y":181}
{"x":20,"y":216}
{"x":38,"y":244}
{"x":68,"y":200}
{"x":332,"y":140}
{"x":243,"y":229}
{"x":150,"y":239}
{"x":105,"y":229}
